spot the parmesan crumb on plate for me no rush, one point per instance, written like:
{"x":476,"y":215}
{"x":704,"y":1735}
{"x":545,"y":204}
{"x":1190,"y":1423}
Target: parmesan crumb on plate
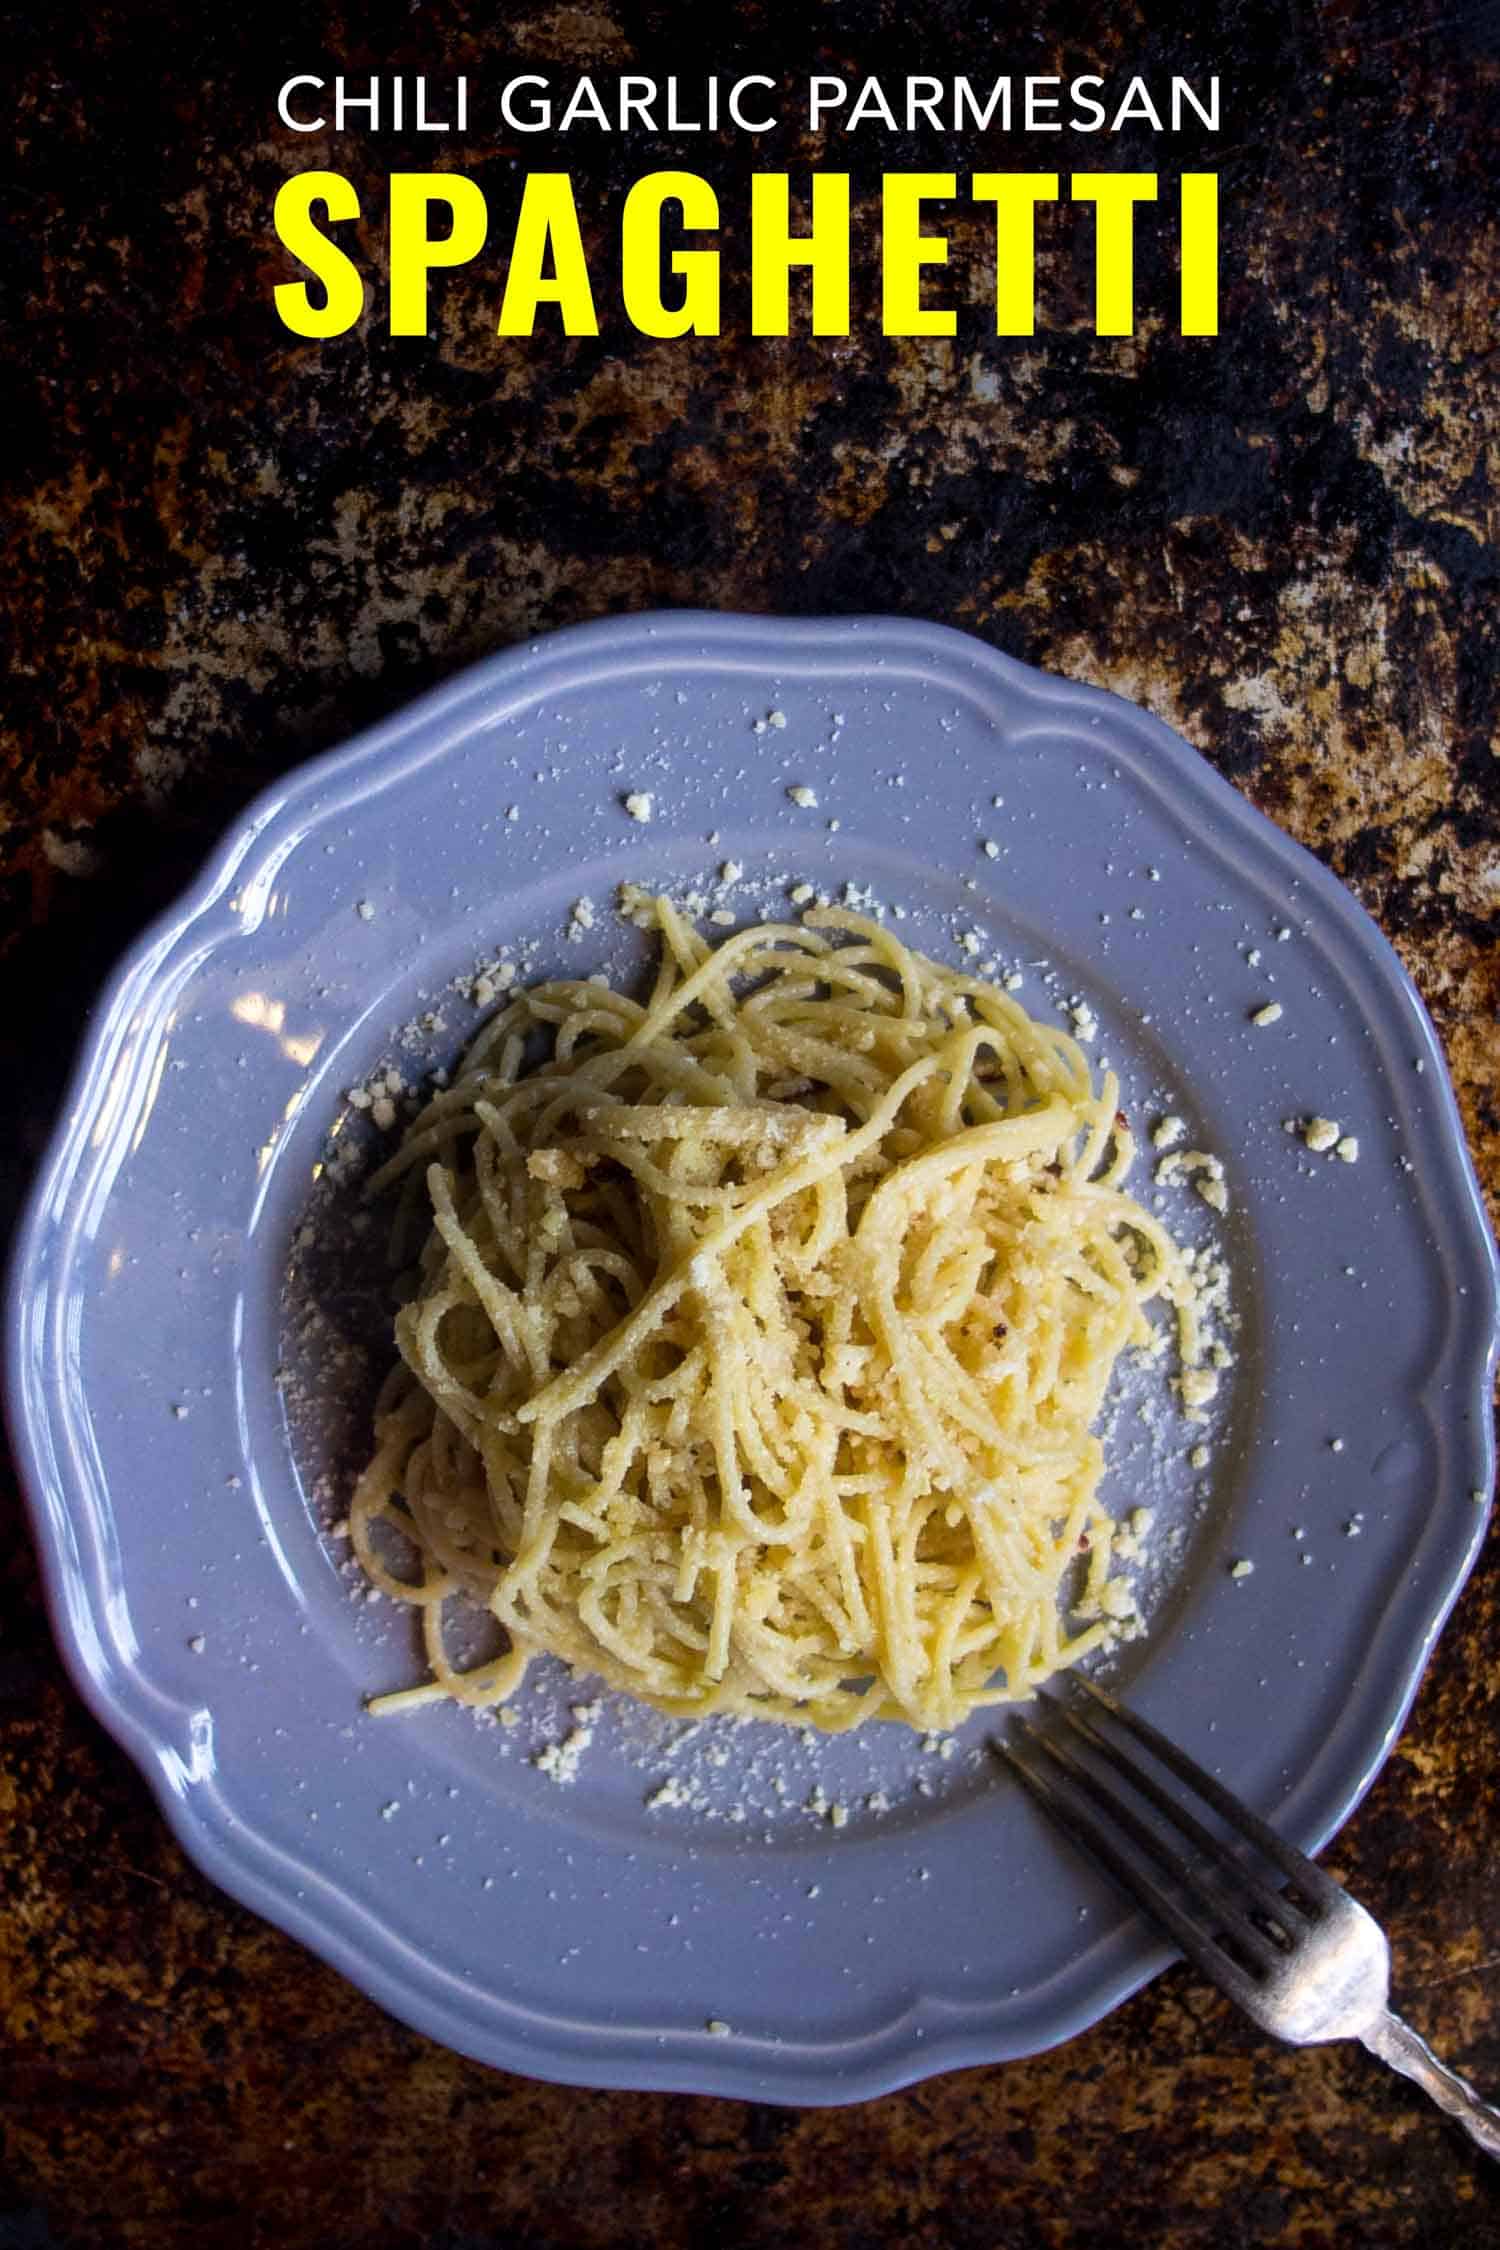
{"x":1196,"y":1387}
{"x":640,"y":804}
{"x":669,"y":1792}
{"x":1205,"y":1171}
{"x":1270,"y":1012}
{"x":559,"y":1761}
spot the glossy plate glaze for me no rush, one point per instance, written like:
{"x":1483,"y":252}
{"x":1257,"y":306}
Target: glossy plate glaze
{"x":181,"y":1502}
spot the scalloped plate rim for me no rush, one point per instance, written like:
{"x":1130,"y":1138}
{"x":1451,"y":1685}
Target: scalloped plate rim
{"x":913,"y":2041}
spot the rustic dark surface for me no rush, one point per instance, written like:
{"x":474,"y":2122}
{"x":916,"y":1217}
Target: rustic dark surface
{"x":224,"y":549}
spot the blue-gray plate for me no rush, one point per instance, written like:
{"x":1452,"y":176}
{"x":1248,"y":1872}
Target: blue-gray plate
{"x":792,"y":1921}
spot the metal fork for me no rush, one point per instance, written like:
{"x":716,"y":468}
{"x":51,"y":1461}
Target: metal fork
{"x":1282,"y":1939}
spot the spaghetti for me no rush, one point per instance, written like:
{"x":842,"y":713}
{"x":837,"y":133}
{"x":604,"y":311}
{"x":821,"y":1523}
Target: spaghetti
{"x":759,"y":1334}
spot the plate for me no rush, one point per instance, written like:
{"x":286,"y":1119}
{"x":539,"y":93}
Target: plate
{"x":782,"y":1921}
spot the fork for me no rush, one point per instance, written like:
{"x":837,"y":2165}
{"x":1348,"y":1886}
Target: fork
{"x":1282,"y":1939}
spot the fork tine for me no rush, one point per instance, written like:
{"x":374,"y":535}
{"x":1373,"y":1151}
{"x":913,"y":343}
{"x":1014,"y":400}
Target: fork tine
{"x":1316,"y":1887}
{"x":1205,"y":1892}
{"x":1274,"y":1905}
{"x":1099,"y":1845}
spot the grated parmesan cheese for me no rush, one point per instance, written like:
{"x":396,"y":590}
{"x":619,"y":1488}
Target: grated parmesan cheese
{"x":559,"y":1761}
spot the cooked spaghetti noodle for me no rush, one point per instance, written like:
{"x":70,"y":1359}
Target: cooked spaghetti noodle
{"x":759,"y":1335}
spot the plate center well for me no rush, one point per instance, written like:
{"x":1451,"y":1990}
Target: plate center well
{"x":631,"y":1771}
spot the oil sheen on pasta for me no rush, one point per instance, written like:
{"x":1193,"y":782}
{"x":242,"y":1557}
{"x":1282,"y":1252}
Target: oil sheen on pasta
{"x":759,"y":1336}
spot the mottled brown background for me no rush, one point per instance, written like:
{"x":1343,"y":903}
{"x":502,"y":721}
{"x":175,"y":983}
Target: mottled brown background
{"x":225,"y":549}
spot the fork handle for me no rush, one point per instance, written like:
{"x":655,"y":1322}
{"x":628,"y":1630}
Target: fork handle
{"x":1407,"y":2051}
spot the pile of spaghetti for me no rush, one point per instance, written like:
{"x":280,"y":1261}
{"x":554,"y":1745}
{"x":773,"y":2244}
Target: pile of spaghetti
{"x":758,"y":1337}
